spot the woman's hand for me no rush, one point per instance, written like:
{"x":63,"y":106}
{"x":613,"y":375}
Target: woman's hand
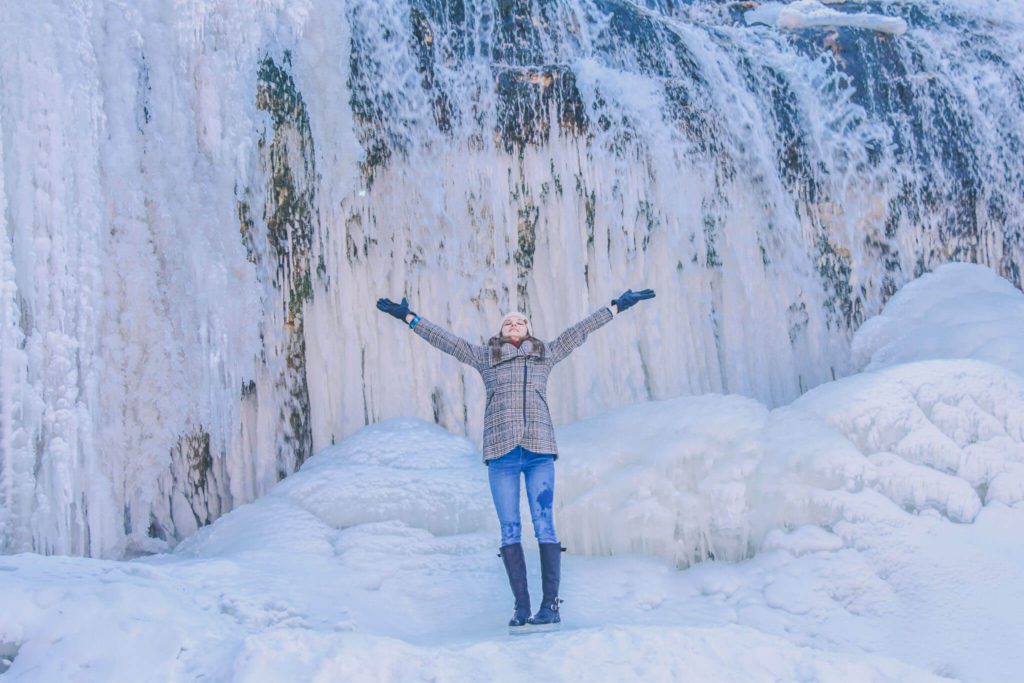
{"x":400,"y":311}
{"x":629,"y":297}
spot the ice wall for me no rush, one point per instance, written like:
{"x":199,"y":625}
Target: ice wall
{"x":201,"y":201}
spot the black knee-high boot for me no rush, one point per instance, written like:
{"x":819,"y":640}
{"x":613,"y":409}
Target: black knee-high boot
{"x":547,"y":617}
{"x":515,"y":567}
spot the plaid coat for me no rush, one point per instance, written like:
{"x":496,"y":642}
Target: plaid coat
{"x":517,"y":406}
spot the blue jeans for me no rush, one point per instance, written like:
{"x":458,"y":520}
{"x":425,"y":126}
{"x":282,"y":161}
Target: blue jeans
{"x":503,"y":474}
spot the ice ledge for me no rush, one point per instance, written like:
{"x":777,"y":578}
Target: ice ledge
{"x":814,"y":14}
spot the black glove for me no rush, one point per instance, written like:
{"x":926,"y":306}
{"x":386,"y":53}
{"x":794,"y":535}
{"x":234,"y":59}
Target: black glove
{"x":629,"y":297}
{"x":398,"y":310}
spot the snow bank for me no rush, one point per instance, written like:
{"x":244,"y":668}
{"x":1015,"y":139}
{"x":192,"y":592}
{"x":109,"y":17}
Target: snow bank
{"x":223,"y":621}
{"x":963,"y":420}
{"x":711,"y":476}
{"x":872,"y":488}
{"x":708,"y":477}
{"x":811,"y":14}
{"x":880,"y":516}
{"x":401,"y":469}
{"x":305,"y":584}
{"x":688,"y":479}
{"x":309,"y":583}
{"x":960,"y":311}
{"x":672,"y":478}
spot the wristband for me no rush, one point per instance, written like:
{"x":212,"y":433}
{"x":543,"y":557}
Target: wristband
{"x":412,"y":323}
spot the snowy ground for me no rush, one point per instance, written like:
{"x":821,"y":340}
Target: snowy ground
{"x":870,"y":531}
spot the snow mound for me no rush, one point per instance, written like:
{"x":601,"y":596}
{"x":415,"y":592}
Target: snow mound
{"x":400,"y":470}
{"x":939,"y":434}
{"x":687,"y":480}
{"x":712,"y":476}
{"x":671,"y":478}
{"x":961,"y":310}
{"x":709,"y":477}
{"x":812,"y":14}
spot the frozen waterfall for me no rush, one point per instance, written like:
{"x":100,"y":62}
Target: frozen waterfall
{"x":202,"y":200}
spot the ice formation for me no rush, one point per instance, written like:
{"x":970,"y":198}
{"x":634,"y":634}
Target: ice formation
{"x":959,"y":311}
{"x":812,"y":14}
{"x":872,"y":525}
{"x":708,"y":477}
{"x":201,"y":201}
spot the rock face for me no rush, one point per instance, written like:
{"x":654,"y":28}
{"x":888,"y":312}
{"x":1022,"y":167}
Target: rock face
{"x":200,"y":208}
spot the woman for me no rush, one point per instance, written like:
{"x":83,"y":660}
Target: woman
{"x":519,"y":438}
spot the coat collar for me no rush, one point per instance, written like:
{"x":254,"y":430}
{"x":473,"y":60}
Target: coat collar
{"x":508,"y":352}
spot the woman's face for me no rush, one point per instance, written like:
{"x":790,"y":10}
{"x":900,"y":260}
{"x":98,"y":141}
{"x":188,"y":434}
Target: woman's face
{"x":514,"y":329}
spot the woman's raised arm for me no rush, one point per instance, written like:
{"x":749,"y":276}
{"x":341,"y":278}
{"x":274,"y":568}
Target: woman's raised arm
{"x":573,"y":338}
{"x":436,"y":336}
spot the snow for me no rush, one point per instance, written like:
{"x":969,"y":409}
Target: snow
{"x":959,"y":311}
{"x":812,"y":14}
{"x":719,"y":162}
{"x":868,"y":531}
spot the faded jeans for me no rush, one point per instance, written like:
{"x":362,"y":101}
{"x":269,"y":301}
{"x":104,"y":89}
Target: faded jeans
{"x":503,"y":474}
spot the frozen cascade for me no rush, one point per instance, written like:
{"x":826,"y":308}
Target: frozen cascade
{"x":201,"y":201}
